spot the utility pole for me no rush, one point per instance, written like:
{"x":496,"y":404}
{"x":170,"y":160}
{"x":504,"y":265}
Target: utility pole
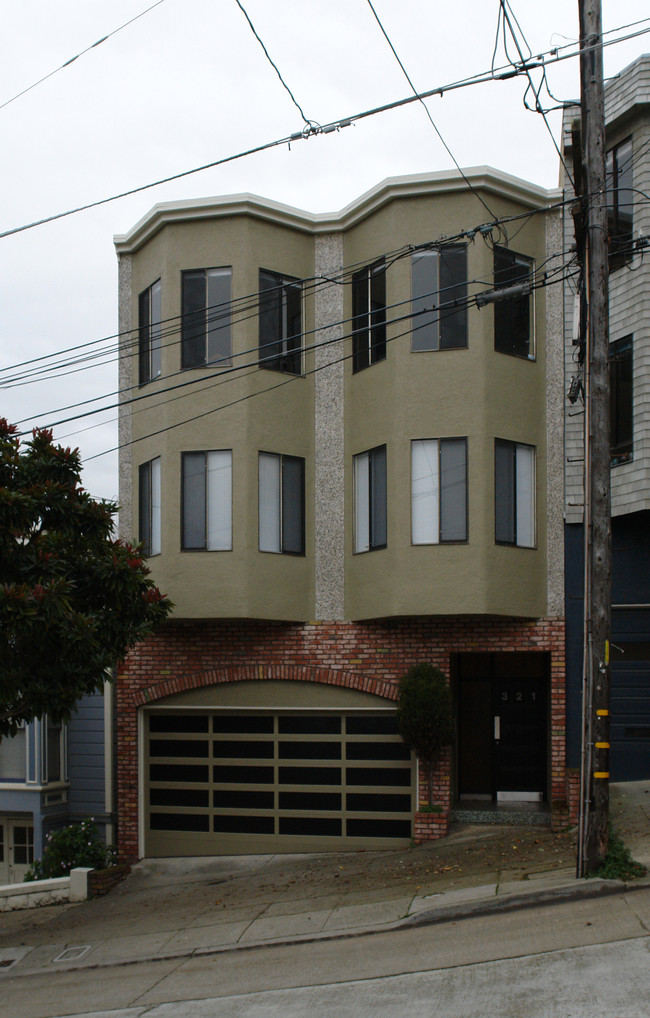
{"x":594,"y":795}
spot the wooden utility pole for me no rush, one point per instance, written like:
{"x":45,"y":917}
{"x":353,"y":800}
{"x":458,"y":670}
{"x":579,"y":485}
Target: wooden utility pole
{"x":594,"y":804}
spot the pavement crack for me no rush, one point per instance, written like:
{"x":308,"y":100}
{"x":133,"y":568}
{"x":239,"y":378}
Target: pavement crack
{"x":157,"y":982}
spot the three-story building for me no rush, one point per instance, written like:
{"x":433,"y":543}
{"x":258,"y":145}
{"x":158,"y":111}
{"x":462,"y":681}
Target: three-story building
{"x":341,"y":448}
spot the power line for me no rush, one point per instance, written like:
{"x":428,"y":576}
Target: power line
{"x":274,"y":65}
{"x":427,"y":111}
{"x":284,"y":381}
{"x":239,"y":309}
{"x":242,"y":307}
{"x":83,"y":51}
{"x":499,"y":74}
{"x":508,"y":17}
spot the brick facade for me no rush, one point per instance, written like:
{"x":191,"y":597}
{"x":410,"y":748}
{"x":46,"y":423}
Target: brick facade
{"x":369,"y":657}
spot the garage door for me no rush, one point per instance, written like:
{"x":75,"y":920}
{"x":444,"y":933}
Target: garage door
{"x":249,"y":781}
{"x":630,"y":696}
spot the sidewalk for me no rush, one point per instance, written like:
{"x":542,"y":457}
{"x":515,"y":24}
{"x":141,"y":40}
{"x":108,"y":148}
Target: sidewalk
{"x":176,"y":908}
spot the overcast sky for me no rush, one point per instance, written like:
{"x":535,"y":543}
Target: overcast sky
{"x":187,"y":83}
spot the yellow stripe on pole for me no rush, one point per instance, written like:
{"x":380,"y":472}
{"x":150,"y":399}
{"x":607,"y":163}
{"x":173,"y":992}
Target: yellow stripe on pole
{"x":602,"y":713}
{"x":602,"y":745}
{"x":601,"y":774}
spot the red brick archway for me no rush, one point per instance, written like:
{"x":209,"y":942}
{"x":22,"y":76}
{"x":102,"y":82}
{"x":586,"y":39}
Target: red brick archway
{"x":261,"y":673}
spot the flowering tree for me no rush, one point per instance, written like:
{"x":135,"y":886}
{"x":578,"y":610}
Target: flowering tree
{"x":73,"y":598}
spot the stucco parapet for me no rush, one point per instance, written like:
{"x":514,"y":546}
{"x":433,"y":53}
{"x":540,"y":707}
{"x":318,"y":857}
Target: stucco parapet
{"x":484,"y":178}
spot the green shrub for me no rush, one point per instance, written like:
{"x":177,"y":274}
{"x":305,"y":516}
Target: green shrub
{"x":618,"y":863}
{"x":424,"y":715}
{"x":75,"y":845}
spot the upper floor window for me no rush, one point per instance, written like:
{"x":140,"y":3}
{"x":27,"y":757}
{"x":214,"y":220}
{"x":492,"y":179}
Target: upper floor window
{"x":150,"y":500}
{"x":620,"y":400}
{"x":207,"y":500}
{"x":439,"y":298}
{"x":282,"y":504}
{"x":618,"y":169}
{"x":369,"y":315}
{"x":13,"y":756}
{"x":206,"y":307}
{"x":36,"y":754}
{"x":514,"y":494}
{"x":280,"y":322}
{"x":513,"y":321}
{"x":439,"y":490}
{"x":55,"y":751}
{"x":150,"y":332}
{"x":370,"y":515}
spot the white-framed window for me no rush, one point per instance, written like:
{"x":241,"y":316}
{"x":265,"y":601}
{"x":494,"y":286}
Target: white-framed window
{"x":438,"y":490}
{"x":370,"y":495}
{"x":514,"y":494}
{"x":207,"y":500}
{"x":280,"y":322}
{"x":54,"y":743}
{"x":150,"y":501}
{"x":150,"y":332}
{"x":369,"y":315}
{"x":13,"y":756}
{"x":513,"y":316}
{"x":439,"y":298}
{"x":281,"y":504}
{"x":207,"y":314}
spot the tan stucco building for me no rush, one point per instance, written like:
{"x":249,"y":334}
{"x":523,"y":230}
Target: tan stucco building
{"x":342,"y":451}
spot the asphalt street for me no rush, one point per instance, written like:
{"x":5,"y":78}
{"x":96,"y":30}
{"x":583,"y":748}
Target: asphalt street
{"x":574,"y":959}
{"x":615,"y":982}
{"x":486,"y":922}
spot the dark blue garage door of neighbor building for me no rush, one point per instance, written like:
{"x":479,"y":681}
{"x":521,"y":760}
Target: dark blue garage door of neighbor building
{"x":630,"y":697}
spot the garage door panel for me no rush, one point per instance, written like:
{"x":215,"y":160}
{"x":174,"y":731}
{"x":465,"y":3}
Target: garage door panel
{"x":253,"y":724}
{"x":276,"y":781}
{"x":177,"y":724}
{"x":324,"y":724}
{"x":181,"y":747}
{"x":310,"y":776}
{"x":377,"y":774}
{"x":170,"y":772}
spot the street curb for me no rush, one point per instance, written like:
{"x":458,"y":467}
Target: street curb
{"x":578,"y":891}
{"x":581,"y":890}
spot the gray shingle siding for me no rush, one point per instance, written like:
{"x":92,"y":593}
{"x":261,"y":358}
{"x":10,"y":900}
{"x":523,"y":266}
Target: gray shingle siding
{"x":86,"y":757}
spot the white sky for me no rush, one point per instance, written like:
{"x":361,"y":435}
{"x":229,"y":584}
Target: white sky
{"x":188,"y":83}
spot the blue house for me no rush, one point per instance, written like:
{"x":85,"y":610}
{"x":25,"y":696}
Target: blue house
{"x":52,"y":775}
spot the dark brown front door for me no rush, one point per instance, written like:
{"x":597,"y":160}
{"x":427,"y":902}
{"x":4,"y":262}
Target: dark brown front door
{"x":502,"y":725}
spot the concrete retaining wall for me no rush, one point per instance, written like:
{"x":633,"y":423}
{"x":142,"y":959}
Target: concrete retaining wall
{"x":36,"y":893}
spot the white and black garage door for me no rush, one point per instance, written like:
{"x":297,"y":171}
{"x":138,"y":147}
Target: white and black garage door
{"x":236,"y":777}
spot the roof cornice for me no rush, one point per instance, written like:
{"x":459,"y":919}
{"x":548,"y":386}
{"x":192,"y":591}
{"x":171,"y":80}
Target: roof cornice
{"x":481,"y":178}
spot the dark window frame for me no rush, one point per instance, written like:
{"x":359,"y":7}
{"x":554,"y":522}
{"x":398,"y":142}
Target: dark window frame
{"x":150,"y":333}
{"x":204,"y":495}
{"x":205,"y":324}
{"x":506,"y":496}
{"x":620,"y":224}
{"x":291,"y":507}
{"x":514,"y":319}
{"x":146,"y":507}
{"x":444,"y":504}
{"x":439,"y":304}
{"x":621,"y":401}
{"x":369,"y":315}
{"x":280,"y":322}
{"x":375,"y":507}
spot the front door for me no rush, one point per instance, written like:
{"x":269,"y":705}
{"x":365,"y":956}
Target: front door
{"x":16,"y":850}
{"x":503,"y":727}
